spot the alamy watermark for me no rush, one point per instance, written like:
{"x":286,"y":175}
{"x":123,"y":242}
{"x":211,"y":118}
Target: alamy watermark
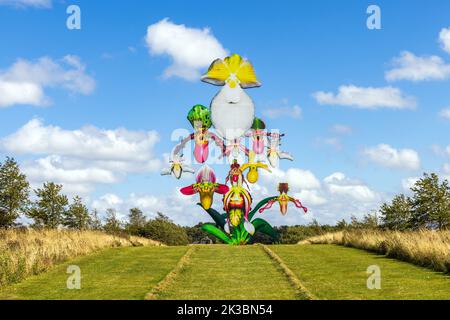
{"x":374,"y":20}
{"x":74,"y":280}
{"x":73,"y":22}
{"x":374,"y":279}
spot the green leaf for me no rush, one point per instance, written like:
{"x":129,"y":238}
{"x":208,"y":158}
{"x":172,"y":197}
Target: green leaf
{"x":212,"y":229}
{"x":259,"y":206}
{"x":263,"y":226}
{"x":218,"y":218}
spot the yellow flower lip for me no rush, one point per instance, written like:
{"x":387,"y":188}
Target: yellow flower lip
{"x":253,"y":166}
{"x":206,"y":199}
{"x":235,"y":68}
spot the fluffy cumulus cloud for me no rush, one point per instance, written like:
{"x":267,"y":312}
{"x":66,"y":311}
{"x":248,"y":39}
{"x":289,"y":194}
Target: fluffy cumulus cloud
{"x":445,"y":113}
{"x":410,"y":67}
{"x":84,"y":157}
{"x":366,"y":98}
{"x":444,"y":39}
{"x":387,"y":156}
{"x":339,"y":185}
{"x":190,"y":49}
{"x":27,"y":3}
{"x":24,"y":83}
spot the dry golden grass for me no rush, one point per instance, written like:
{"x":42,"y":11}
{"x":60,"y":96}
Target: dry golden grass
{"x":28,"y":252}
{"x":425,"y":248}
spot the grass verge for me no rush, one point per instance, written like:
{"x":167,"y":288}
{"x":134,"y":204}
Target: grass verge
{"x":425,"y":248}
{"x":29,"y":252}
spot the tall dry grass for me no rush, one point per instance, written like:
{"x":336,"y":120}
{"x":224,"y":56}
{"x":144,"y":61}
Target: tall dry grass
{"x":426,"y":248}
{"x":28,"y":252}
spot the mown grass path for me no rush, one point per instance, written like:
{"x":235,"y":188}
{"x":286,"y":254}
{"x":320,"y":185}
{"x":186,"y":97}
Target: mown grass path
{"x":335,"y":272}
{"x":224,"y":272}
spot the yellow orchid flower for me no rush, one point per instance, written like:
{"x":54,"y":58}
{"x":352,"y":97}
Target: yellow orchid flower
{"x":232,"y":70}
{"x":253,"y":166}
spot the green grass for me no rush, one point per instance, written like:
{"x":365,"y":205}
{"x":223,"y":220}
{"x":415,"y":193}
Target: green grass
{"x":225,"y":272}
{"x":335,"y":272}
{"x":120,"y":273}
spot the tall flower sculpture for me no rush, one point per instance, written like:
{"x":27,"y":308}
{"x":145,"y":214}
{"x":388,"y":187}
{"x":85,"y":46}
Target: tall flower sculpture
{"x":232,"y":116}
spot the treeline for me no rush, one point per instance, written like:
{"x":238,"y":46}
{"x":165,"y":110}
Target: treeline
{"x":49,"y":208}
{"x":428,"y":207}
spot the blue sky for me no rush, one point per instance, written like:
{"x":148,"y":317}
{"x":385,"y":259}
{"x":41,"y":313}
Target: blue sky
{"x":351,"y":152}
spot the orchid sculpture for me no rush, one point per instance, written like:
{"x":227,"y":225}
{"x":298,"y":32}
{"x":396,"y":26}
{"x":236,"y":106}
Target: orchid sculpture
{"x":253,"y":166}
{"x":227,"y":122}
{"x":206,"y":186}
{"x":283,"y":200}
{"x":177,"y":167}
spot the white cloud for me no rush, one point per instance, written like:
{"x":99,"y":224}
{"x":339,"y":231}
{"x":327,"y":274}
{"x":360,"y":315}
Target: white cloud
{"x":387,"y":156}
{"x":366,"y":98}
{"x":25,"y":81}
{"x":445,"y":113}
{"x":339,"y":185}
{"x":190,"y":49}
{"x":80,"y":159}
{"x":27,"y":3}
{"x":88,"y":142}
{"x":408,"y":183}
{"x":291,"y":112}
{"x":298,"y":179}
{"x":107,"y":201}
{"x":53,"y":168}
{"x":411,"y":67}
{"x":444,"y":39}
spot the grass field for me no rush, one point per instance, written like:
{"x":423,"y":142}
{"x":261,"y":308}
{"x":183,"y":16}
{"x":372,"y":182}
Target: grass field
{"x":224,"y":272}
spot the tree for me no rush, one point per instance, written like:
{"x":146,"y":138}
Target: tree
{"x":163,"y":229}
{"x":112,"y":223}
{"x":197,"y":235}
{"x":431,"y":202}
{"x":136,"y":221}
{"x":14,"y":192}
{"x":342,"y":225}
{"x":48,"y":210}
{"x":95,"y":222}
{"x":77,"y":217}
{"x":398,"y":214}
